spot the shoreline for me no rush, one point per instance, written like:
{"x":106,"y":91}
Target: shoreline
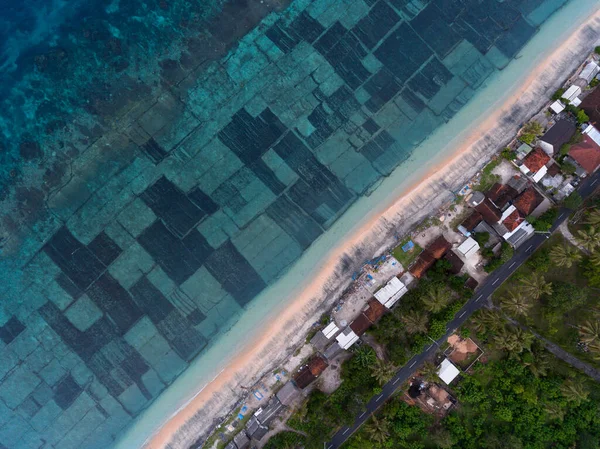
{"x":468,"y":150}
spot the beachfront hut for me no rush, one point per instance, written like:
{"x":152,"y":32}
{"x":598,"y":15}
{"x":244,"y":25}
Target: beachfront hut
{"x":287,"y":393}
{"x":557,"y":107}
{"x":559,"y":134}
{"x":468,"y":248}
{"x":391,"y":292}
{"x":346,"y":338}
{"x":447,"y":372}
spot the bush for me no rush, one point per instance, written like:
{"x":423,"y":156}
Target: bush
{"x":527,"y":138}
{"x":508,"y":154}
{"x":568,"y":168}
{"x":597,"y":50}
{"x":582,"y":117}
{"x":573,"y":201}
{"x":544,"y":222}
{"x":558,"y":94}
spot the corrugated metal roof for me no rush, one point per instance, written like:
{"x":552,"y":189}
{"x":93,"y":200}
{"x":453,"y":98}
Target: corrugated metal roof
{"x":391,"y":292}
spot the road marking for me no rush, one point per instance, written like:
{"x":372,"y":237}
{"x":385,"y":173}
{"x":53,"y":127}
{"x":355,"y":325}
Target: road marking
{"x":560,"y":216}
{"x":480,"y":296}
{"x":512,"y":265}
{"x":430,"y":346}
{"x":413,"y":364}
{"x":346,"y":431}
{"x":363,"y":414}
{"x":461,"y":315}
{"x":527,"y":250}
{"x":395,"y":382}
{"x":494,"y":283}
{"x":595,"y":181}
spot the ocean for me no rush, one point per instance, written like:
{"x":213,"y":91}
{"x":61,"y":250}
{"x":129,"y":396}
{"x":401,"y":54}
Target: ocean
{"x":174,"y":171}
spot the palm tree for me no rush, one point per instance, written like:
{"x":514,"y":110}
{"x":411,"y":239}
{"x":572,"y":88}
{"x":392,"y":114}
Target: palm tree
{"x":491,"y":319}
{"x":415,"y":322}
{"x":378,"y":429}
{"x":589,"y":239}
{"x":538,"y":365}
{"x":513,"y":339}
{"x":436,"y":299}
{"x":533,"y":127}
{"x":365,"y":356}
{"x":382,"y":371}
{"x":516,"y":303}
{"x":595,"y":258}
{"x":589,"y":331}
{"x":554,"y":411}
{"x":594,"y":348}
{"x":429,"y":372}
{"x":593,"y":217}
{"x":574,"y":391}
{"x":565,"y":255}
{"x":535,"y":286}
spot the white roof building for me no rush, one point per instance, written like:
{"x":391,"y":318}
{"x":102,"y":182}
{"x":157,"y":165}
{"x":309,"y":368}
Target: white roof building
{"x":448,"y":372}
{"x":557,"y":107}
{"x":572,"y":93}
{"x":593,"y":134}
{"x":468,"y":248}
{"x":389,"y":294}
{"x":347,"y":338}
{"x":589,"y":71}
{"x":540,"y":174}
{"x":330,"y":330}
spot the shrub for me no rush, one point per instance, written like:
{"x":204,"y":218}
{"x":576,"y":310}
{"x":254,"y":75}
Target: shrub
{"x":508,"y":154}
{"x":527,"y":138}
{"x":568,"y":168}
{"x":597,"y":50}
{"x":573,"y":201}
{"x":582,"y":117}
{"x":559,"y":93}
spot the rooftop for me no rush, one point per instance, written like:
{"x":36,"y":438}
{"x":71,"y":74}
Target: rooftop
{"x":439,"y":247}
{"x":586,"y":154}
{"x":303,"y":378}
{"x":317,"y":365}
{"x":422,"y":264}
{"x":375,"y":310}
{"x":241,"y":440}
{"x":448,"y":372}
{"x":456,"y":262}
{"x":471,"y":221}
{"x":287,"y":393}
{"x":537,"y":159}
{"x":591,"y":106}
{"x":332,"y":351}
{"x":346,"y":338}
{"x":518,"y":183}
{"x":391,"y":292}
{"x":360,"y":324}
{"x":513,"y":221}
{"x":528,"y":201}
{"x":559,"y":134}
{"x":489,"y":211}
{"x":501,"y":194}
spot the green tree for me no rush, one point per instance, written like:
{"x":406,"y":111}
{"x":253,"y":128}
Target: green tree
{"x":365,"y":356}
{"x":513,"y":339}
{"x":589,"y":238}
{"x":429,"y":372}
{"x":573,"y":201}
{"x":534,"y":286}
{"x":436,"y":298}
{"x":415,"y":322}
{"x":488,"y":319}
{"x":595,"y":258}
{"x":554,"y":411}
{"x":574,"y":391}
{"x":582,"y":117}
{"x":565,"y":255}
{"x":568,"y":168}
{"x":382,"y":371}
{"x":527,"y":138}
{"x":593,"y":217}
{"x":441,"y":438}
{"x":378,"y":429}
{"x":533,"y":127}
{"x":589,"y":331}
{"x":516,"y":303}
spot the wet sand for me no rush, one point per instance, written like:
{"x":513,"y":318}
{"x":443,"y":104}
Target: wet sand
{"x":406,"y":202}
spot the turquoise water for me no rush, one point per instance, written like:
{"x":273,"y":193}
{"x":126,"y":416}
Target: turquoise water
{"x":168,"y":162}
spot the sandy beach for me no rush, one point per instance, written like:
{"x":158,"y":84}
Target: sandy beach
{"x":405,"y":204}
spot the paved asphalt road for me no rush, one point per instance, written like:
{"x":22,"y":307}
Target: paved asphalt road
{"x":482,"y":293}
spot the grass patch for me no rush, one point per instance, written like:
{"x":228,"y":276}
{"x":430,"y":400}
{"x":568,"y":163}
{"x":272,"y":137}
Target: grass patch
{"x":488,"y":179}
{"x":406,"y":258}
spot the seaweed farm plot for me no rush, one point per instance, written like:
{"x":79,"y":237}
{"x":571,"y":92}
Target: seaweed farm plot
{"x":171,"y":222}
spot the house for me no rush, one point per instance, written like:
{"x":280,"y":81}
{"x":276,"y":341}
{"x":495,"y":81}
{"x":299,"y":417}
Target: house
{"x":287,"y":393}
{"x":467,"y":226}
{"x":309,"y":372}
{"x":557,"y":107}
{"x":471,"y":283}
{"x":447,"y":372}
{"x":501,"y":195}
{"x":519,"y":183}
{"x":375,"y":310}
{"x":455,"y":261}
{"x":523,"y":151}
{"x":332,"y":351}
{"x":255,"y":430}
{"x":322,"y":338}
{"x":483,"y":227}
{"x":241,"y":440}
{"x":346,"y":338}
{"x":360,"y":324}
{"x":231,"y":445}
{"x":589,"y":72}
{"x":528,"y":201}
{"x":439,"y":247}
{"x":423,"y":263}
{"x":488,"y":210}
{"x":556,"y":136}
{"x":468,"y":248}
{"x":475,"y":199}
{"x":391,"y":292}
{"x":587,"y":153}
{"x":534,"y":164}
{"x":591,"y":106}
{"x":571,"y":95}
{"x":266,"y":415}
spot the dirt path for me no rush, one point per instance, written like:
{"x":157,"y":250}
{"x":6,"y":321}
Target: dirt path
{"x":565,"y":231}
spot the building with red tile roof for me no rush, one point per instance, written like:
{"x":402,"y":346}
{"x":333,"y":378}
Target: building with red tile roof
{"x":422,"y":264}
{"x":439,"y":247}
{"x":591,"y":106}
{"x":360,"y":324}
{"x":472,"y":221}
{"x":488,"y":210}
{"x":513,"y":221}
{"x":586,"y":154}
{"x":501,"y":195}
{"x":535,"y":160}
{"x":317,"y":365}
{"x":528,"y":201}
{"x":375,"y":310}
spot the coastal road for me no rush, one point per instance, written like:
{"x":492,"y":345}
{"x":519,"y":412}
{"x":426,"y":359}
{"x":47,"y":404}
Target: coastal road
{"x":479,"y":298}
